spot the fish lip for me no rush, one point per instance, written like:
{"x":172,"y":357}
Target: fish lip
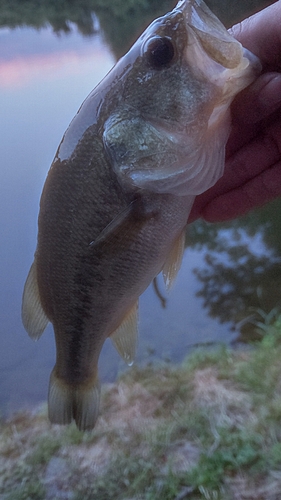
{"x":208,"y":31}
{"x":225,"y":56}
{"x":255,"y":63}
{"x":195,"y":11}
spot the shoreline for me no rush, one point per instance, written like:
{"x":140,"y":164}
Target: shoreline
{"x":208,"y":429}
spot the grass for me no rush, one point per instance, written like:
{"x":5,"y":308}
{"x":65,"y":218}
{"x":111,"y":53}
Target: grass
{"x":208,"y":429}
{"x":30,"y":490}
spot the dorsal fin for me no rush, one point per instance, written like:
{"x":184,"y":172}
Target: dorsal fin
{"x":125,"y":337}
{"x":174,"y":260}
{"x":33,"y":317}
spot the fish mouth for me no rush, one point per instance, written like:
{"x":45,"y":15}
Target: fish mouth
{"x":218,"y":55}
{"x":217,"y":42}
{"x":212,"y":34}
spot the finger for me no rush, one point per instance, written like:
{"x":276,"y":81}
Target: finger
{"x":229,"y":198}
{"x":261,"y":34}
{"x":258,"y":101}
{"x":258,"y":155}
{"x":255,"y":193}
{"x":251,"y":108}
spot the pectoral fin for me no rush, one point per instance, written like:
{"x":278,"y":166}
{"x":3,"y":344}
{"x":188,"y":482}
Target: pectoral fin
{"x":173,"y":262}
{"x":114,"y":226}
{"x":33,"y":317}
{"x":125,"y":337}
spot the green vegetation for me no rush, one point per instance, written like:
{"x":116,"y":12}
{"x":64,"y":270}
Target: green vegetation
{"x":209,"y":429}
{"x":240,"y":274}
{"x":33,"y":490}
{"x":121,"y":20}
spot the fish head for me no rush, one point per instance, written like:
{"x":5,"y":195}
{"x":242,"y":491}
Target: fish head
{"x":170,"y":121}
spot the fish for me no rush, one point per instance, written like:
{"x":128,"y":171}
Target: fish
{"x":114,"y":207}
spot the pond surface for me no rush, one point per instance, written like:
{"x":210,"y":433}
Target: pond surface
{"x":227,"y":269}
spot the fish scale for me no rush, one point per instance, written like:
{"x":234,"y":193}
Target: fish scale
{"x":116,"y":201}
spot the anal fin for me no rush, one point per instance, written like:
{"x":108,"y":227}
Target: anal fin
{"x":125,"y":337}
{"x":79,"y":403}
{"x":33,"y":317}
{"x":174,"y":260}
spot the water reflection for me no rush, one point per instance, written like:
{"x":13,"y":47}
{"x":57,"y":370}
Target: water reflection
{"x":121,"y":22}
{"x":43,"y":80}
{"x":242,"y":269}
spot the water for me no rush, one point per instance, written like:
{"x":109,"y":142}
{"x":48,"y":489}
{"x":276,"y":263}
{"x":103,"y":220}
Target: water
{"x":43,"y":80}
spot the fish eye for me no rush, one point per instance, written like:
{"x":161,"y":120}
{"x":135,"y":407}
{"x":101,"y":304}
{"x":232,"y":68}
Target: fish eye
{"x":159,"y":52}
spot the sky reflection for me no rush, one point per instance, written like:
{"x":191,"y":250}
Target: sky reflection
{"x":43,"y":81}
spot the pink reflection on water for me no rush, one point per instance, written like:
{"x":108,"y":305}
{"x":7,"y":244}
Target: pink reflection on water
{"x":50,"y":57}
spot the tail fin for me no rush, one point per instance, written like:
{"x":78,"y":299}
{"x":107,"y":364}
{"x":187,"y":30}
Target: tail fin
{"x":79,"y":403}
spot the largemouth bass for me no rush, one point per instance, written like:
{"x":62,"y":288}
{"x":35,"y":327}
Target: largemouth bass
{"x":115,"y":204}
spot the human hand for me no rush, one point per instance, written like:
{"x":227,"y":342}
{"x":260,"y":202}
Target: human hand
{"x":253,"y":154}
